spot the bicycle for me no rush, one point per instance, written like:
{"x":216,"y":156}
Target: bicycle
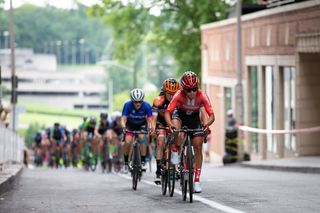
{"x":90,"y":157}
{"x":187,"y":162}
{"x":106,"y":160}
{"x":135,"y":157}
{"x":167,"y":168}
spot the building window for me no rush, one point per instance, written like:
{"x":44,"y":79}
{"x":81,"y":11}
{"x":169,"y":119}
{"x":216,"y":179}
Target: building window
{"x":254,"y":106}
{"x":270,"y":108}
{"x":228,"y":99}
{"x":289,"y":106}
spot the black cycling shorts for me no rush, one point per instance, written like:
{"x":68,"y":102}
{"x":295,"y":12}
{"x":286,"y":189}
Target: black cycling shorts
{"x":191,"y":121}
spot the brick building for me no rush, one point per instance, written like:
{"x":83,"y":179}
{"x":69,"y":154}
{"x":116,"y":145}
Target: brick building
{"x":281,"y":77}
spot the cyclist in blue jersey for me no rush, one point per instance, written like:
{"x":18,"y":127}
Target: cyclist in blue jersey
{"x":136,"y":115}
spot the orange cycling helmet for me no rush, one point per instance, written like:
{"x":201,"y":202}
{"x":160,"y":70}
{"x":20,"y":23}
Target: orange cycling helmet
{"x":189,"y":80}
{"x":171,"y":85}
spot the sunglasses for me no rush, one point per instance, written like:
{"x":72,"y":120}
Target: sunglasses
{"x":137,"y":102}
{"x":191,"y":89}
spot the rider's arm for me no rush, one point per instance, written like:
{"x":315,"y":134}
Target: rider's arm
{"x":96,"y":133}
{"x":209,"y":110}
{"x":123,"y":121}
{"x":171,"y":107}
{"x":150,"y":117}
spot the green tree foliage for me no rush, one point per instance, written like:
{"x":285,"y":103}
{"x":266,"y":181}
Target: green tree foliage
{"x":31,"y":131}
{"x":176,"y":29}
{"x":45,"y":28}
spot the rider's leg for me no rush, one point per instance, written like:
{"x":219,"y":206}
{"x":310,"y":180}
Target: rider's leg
{"x":159,"y":151}
{"x":197,"y":144}
{"x":127,"y":147}
{"x":143,"y":148}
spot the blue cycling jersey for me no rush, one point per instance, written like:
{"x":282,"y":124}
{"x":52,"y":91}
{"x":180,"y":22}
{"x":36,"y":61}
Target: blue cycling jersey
{"x":134,"y":116}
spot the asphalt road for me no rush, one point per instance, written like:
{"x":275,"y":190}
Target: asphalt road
{"x":225,"y":189}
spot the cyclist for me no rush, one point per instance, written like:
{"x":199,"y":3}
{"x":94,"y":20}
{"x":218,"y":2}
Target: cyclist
{"x":169,"y":88}
{"x":37,"y":146}
{"x":136,"y":115}
{"x":75,"y":147}
{"x":185,"y":108}
{"x":88,"y":129}
{"x":67,"y":146}
{"x":57,"y":138}
{"x":102,"y":130}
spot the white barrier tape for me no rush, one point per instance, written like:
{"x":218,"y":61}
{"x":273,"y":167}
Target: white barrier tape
{"x":270,"y":131}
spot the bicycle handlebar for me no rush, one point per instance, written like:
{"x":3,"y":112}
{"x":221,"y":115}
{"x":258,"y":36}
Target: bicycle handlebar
{"x":137,"y":131}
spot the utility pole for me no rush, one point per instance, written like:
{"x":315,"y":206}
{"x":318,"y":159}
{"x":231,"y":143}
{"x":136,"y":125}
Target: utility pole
{"x":13,"y":71}
{"x":239,"y":87}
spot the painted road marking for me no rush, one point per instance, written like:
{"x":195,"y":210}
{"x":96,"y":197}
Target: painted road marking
{"x":208,"y":202}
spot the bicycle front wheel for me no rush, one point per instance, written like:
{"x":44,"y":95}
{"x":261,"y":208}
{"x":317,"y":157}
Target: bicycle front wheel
{"x":135,"y":177}
{"x":171,"y":175}
{"x":183,"y":180}
{"x":190,"y":170}
{"x":164,"y":173}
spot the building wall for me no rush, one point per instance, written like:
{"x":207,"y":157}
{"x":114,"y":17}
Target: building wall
{"x":308,"y":102}
{"x":269,"y":38}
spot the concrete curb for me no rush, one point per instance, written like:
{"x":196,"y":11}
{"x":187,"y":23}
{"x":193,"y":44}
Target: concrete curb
{"x":8,"y":178}
{"x":311,"y":170}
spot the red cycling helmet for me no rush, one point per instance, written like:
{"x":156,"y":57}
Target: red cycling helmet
{"x":189,"y":80}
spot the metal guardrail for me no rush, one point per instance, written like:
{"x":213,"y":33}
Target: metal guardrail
{"x":11,"y":146}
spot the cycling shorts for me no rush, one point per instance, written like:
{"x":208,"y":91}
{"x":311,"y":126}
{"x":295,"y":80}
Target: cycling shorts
{"x":191,"y":121}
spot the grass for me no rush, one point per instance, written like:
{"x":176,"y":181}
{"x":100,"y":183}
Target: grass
{"x":50,"y":110}
{"x":49,"y":120}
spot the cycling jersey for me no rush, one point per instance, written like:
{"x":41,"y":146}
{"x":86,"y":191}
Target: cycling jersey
{"x":159,"y":107}
{"x":116,"y":127}
{"x":188,"y":106}
{"x":57,"y":134}
{"x":37,"y":139}
{"x":188,"y":111}
{"x":134,"y":116}
{"x":103,"y":128}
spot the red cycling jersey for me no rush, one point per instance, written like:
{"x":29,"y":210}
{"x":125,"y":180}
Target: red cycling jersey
{"x":189,"y":106}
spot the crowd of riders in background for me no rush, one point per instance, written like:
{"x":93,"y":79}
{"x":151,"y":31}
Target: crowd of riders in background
{"x":57,"y":146}
{"x":180,"y":104}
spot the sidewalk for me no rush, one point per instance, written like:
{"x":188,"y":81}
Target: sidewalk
{"x":310,"y":164}
{"x":8,"y":174}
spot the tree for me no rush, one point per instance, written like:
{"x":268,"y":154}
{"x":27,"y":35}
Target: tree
{"x":175,"y":29}
{"x":50,"y":29}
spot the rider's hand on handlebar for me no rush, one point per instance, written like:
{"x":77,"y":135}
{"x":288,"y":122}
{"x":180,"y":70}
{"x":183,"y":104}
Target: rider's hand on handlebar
{"x":171,"y":129}
{"x":152,"y":132}
{"x":207,"y":129}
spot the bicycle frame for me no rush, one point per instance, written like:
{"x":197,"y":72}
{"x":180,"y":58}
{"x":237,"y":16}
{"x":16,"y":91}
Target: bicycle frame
{"x":187,"y":162}
{"x":136,"y":169}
